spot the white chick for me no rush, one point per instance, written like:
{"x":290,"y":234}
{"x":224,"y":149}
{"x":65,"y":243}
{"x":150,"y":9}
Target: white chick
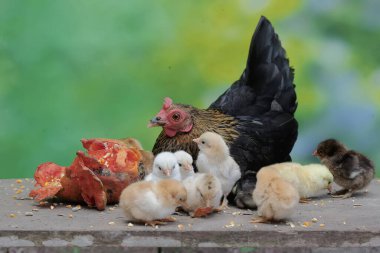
{"x":203,"y":191}
{"x":185,"y":163}
{"x":152,"y":202}
{"x":214,"y":157}
{"x":165,"y":166}
{"x":275,"y":197}
{"x":309,"y":180}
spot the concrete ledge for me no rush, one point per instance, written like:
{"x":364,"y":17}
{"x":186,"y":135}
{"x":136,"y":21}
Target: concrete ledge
{"x":351,"y":223}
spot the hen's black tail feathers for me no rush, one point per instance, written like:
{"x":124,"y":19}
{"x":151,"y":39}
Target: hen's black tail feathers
{"x":267,"y":81}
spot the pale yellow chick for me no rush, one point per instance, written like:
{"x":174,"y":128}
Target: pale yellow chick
{"x":152,"y":202}
{"x":275,"y":197}
{"x":185,"y":163}
{"x":203,"y":191}
{"x":309,"y":180}
{"x":214,"y":157}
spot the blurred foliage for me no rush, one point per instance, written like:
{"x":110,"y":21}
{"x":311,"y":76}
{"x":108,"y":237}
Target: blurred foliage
{"x":79,"y":69}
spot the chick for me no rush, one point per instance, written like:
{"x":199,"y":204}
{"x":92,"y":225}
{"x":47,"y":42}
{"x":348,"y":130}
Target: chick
{"x":185,"y":163}
{"x":165,"y":166}
{"x":275,"y":197}
{"x":352,"y":170}
{"x":203,"y":191}
{"x":152,"y":202}
{"x":309,"y":180}
{"x":214,"y":157}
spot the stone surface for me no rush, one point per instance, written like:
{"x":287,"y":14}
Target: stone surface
{"x":352,"y":223}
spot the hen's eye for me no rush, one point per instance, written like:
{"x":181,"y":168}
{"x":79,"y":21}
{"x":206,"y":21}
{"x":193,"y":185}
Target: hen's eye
{"x":180,"y":164}
{"x":159,"y":167}
{"x":203,"y":142}
{"x":176,"y":116}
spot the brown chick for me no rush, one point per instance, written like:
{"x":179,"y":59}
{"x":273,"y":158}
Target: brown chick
{"x":275,"y":197}
{"x":351,"y":170}
{"x":153,"y":202}
{"x":204,"y":192}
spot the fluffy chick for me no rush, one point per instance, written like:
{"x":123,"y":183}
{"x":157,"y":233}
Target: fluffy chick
{"x":165,"y":166}
{"x":352,"y":171}
{"x":203,"y":191}
{"x":275,"y":197}
{"x":152,"y":202}
{"x":309,"y":180}
{"x":185,"y":163}
{"x":214,"y":157}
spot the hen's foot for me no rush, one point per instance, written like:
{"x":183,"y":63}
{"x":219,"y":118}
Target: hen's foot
{"x":242,"y":193}
{"x":340,"y":192}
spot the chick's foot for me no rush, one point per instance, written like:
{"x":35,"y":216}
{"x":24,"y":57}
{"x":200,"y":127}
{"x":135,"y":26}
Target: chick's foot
{"x":154,"y":223}
{"x":305,"y":200}
{"x":168,"y":219}
{"x":259,"y":220}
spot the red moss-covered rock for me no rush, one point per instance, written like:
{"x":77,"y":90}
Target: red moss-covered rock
{"x":96,"y":178}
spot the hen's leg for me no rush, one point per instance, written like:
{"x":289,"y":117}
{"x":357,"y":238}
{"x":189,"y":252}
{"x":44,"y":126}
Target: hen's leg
{"x":242,"y":194}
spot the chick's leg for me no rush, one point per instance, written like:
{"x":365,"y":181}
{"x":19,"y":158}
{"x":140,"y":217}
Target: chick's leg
{"x":304,"y":200}
{"x":168,"y":219}
{"x":259,"y":219}
{"x":154,"y":223}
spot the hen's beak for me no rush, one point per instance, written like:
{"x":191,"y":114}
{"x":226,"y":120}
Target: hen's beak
{"x":315,"y":153}
{"x":156,"y":121}
{"x":208,"y":204}
{"x":197,"y":140}
{"x":167,"y":173}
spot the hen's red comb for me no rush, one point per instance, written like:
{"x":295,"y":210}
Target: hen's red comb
{"x":167,"y":103}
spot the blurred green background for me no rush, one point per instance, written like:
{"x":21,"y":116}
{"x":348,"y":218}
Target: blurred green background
{"x":73,"y":69}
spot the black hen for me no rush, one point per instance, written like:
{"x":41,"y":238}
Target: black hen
{"x":255,"y":115}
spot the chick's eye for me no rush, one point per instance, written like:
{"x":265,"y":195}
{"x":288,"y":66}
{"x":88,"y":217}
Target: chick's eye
{"x":159,"y":167}
{"x":176,"y":116}
{"x":180,"y":164}
{"x":203,"y":142}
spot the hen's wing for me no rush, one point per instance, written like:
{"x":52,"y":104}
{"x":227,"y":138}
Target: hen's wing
{"x":263,"y":100}
{"x":267,"y":81}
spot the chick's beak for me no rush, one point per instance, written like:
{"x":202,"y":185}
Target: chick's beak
{"x":208,"y":204}
{"x":187,"y":167}
{"x":315,"y":153}
{"x":329,"y":188}
{"x":197,"y":141}
{"x":167,"y":173}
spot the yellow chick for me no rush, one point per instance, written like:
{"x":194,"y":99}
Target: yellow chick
{"x":185,"y":163}
{"x":203,"y":191}
{"x":152,"y":202}
{"x":214,"y":157}
{"x":309,"y":180}
{"x":275,"y":197}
